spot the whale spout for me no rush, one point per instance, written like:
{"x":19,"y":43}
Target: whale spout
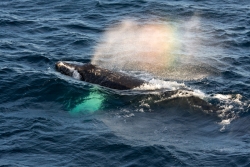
{"x":96,"y":75}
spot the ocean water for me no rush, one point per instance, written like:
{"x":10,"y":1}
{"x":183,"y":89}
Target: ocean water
{"x":194,"y":111}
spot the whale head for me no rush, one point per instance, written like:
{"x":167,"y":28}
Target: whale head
{"x":68,"y":69}
{"x":97,"y":75}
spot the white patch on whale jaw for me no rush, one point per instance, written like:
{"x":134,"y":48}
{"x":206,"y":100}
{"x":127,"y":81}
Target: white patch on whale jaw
{"x":76,"y":75}
{"x":73,"y":72}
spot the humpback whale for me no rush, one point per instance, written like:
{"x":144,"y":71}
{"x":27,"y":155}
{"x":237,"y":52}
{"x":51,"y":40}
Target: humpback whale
{"x":101,"y":76}
{"x":117,"y":80}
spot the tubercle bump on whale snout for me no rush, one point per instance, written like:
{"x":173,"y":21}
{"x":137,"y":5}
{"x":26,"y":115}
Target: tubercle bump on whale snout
{"x":58,"y":64}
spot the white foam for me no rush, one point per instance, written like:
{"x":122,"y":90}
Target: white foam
{"x":229,"y":105}
{"x":230,"y":98}
{"x":222,"y":97}
{"x":155,"y":84}
{"x":199,"y":93}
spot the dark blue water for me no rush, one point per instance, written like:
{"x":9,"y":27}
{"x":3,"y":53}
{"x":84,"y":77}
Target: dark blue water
{"x":47,"y":119}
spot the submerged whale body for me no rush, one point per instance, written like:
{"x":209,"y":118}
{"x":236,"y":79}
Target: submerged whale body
{"x":96,"y":75}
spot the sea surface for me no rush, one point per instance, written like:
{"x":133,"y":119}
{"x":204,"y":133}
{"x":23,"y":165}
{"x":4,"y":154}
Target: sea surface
{"x":194,"y":111}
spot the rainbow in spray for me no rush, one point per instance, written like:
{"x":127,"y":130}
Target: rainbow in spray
{"x":131,"y":46}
